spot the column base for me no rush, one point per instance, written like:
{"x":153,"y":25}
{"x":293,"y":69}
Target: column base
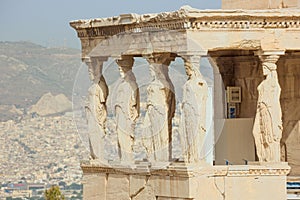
{"x":179,"y":181}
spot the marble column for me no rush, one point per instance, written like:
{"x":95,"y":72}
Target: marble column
{"x":193,"y":117}
{"x":96,"y":111}
{"x":160,"y":108}
{"x":267,"y":129}
{"x":127,"y":107}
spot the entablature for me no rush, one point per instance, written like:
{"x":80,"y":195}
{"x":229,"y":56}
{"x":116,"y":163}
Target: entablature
{"x":188,"y":18}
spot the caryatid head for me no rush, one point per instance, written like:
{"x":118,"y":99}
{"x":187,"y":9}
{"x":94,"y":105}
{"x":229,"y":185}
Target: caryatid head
{"x":268,"y":68}
{"x":95,"y":69}
{"x":159,"y":63}
{"x":125,"y":65}
{"x":192,"y":69}
{"x":269,"y":64}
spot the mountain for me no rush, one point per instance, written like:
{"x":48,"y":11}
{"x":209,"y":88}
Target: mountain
{"x":28,"y":71}
{"x":50,"y":104}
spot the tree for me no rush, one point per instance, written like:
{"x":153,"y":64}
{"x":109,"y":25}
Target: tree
{"x":54,"y":193}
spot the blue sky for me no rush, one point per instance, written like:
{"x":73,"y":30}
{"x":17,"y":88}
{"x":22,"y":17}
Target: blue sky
{"x":47,"y":22}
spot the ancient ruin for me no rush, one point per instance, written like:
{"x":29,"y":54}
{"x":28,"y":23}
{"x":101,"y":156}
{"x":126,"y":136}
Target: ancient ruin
{"x":193,"y":119}
{"x":126,"y":109}
{"x":254,"y":55}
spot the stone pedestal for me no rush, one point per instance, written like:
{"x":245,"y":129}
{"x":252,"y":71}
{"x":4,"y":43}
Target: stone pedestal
{"x":177,"y":181}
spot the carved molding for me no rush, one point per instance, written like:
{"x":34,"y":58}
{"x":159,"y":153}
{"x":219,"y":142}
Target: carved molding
{"x":281,"y":169}
{"x":188,"y":19}
{"x":270,"y":56}
{"x":246,"y":24}
{"x":188,"y":24}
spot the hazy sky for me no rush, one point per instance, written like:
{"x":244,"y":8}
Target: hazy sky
{"x":47,"y":22}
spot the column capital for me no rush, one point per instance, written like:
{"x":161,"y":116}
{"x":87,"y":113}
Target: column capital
{"x":193,"y":53}
{"x":269,"y":56}
{"x":160,"y":58}
{"x":94,"y":61}
{"x":89,"y":59}
{"x":192,"y":56}
{"x":95,"y":65}
{"x":270,"y":52}
{"x":125,"y":61}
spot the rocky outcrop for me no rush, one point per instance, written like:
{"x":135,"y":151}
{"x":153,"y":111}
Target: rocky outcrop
{"x":50,"y":104}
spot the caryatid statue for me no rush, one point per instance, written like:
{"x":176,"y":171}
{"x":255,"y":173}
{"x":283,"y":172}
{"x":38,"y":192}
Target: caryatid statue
{"x":267,"y":129}
{"x":160,"y":109}
{"x":127,"y":107}
{"x":96,"y":108}
{"x":193,"y":117}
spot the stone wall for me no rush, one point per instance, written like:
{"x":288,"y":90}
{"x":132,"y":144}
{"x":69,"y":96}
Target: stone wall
{"x":244,"y":71}
{"x":180,"y":182}
{"x":248,"y":75}
{"x":289,"y":79}
{"x":235,"y":145}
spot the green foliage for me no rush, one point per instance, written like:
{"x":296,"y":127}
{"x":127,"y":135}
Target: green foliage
{"x":54,"y":193}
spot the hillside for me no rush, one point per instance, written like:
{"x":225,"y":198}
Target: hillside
{"x":28,"y":71}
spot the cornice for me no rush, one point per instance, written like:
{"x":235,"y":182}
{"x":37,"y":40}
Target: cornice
{"x":188,"y":18}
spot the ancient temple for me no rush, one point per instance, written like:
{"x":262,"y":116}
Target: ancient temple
{"x":255,"y":56}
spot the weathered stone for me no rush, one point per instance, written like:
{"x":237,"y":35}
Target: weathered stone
{"x":117,"y":187}
{"x":96,"y":108}
{"x":94,"y":186}
{"x":267,"y":130}
{"x":255,"y":187}
{"x":193,"y":118}
{"x":126,"y":105}
{"x":254,"y":181}
{"x":160,"y":109}
{"x":137,"y":184}
{"x":146,"y":194}
{"x":293,"y":149}
{"x":168,"y":186}
{"x":214,"y":188}
{"x":235,"y":40}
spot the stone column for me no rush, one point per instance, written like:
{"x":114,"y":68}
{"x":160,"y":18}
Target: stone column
{"x":127,"y":107}
{"x":160,"y":109}
{"x":267,"y":129}
{"x":193,"y":117}
{"x":96,"y":107}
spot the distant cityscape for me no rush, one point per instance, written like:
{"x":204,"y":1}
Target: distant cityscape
{"x":37,"y":153}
